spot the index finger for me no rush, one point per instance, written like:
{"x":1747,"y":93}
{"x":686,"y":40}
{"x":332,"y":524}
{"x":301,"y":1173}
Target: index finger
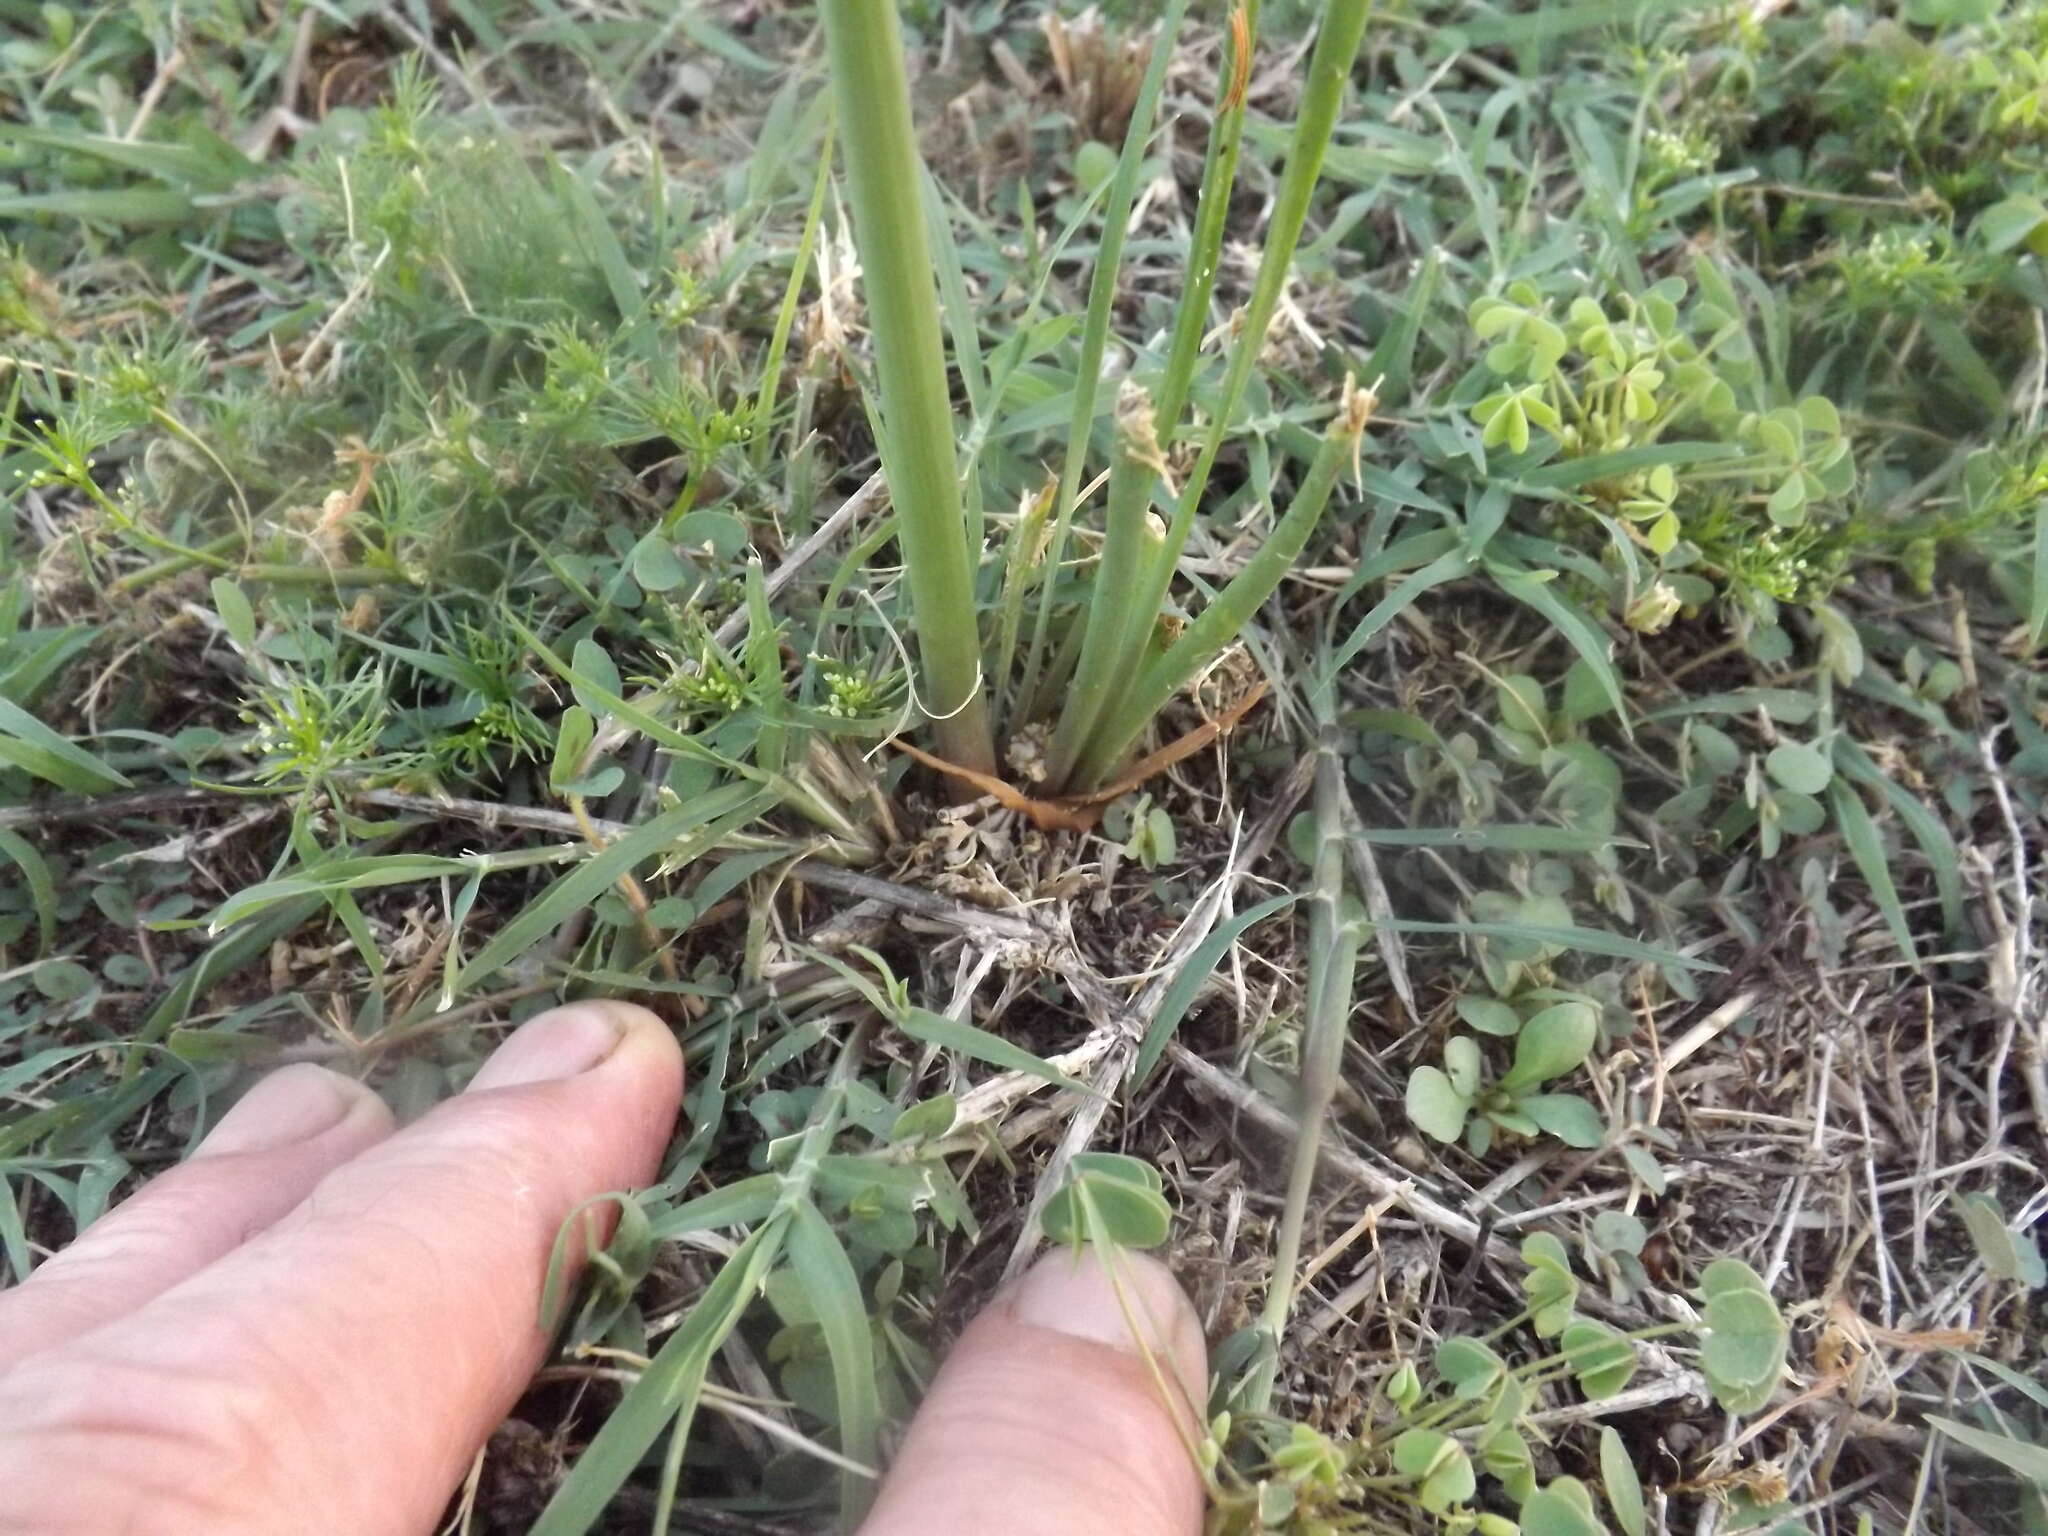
{"x":340,"y":1370}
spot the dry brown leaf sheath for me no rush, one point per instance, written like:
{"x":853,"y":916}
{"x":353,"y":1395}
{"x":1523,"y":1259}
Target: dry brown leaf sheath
{"x":1079,"y":813}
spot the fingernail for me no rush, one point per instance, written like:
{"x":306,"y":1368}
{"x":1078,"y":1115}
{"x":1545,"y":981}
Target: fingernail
{"x":1076,"y":1294}
{"x":559,"y":1043}
{"x":295,"y":1104}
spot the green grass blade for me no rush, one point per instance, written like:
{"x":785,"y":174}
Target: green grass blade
{"x":1392,"y":363}
{"x":2037,"y":606}
{"x":1205,"y":243}
{"x":962,"y":328}
{"x":1114,"y":632}
{"x":979,"y":1045}
{"x":833,"y":1289}
{"x":1226,"y":614}
{"x":1588,"y":940}
{"x":1866,"y":847}
{"x":1509,"y":839}
{"x":741,"y":1204}
{"x":1529,"y":588}
{"x":792,"y":293}
{"x":2022,"y":1456}
{"x":42,"y":890}
{"x":667,"y":1392}
{"x":330,"y":875}
{"x":678,"y":835}
{"x":1927,"y":829}
{"x":32,"y":746}
{"x":228,"y":955}
{"x":1194,"y":973}
{"x":1453,"y":564}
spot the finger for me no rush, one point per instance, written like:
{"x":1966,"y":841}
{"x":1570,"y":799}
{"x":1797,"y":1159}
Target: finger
{"x":339,"y":1371}
{"x":267,"y":1153}
{"x":1048,"y":1420}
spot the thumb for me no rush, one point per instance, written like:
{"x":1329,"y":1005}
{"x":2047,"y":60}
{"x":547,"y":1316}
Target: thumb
{"x":1048,"y":1419}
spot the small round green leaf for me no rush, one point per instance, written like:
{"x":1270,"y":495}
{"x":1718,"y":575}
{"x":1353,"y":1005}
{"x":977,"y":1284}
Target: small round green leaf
{"x":717,"y":534}
{"x":922,"y":1121}
{"x":1470,"y":1366}
{"x":1564,"y":1508}
{"x":1094,"y":164}
{"x":1441,"y":1465}
{"x":1619,"y":1232}
{"x":1112,"y":1199}
{"x":655,"y":565}
{"x":63,"y":981}
{"x":1462,"y":1065}
{"x":1489,"y":1016}
{"x":1800,"y":767}
{"x":1435,"y":1105}
{"x":1521,"y":703}
{"x":1602,"y":1359}
{"x":1742,"y":1348}
{"x":1571,"y":1119}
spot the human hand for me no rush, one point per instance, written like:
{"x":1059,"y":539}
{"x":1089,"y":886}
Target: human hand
{"x":314,"y":1323}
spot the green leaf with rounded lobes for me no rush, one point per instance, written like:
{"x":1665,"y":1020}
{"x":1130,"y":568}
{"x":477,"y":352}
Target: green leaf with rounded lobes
{"x":1817,"y":413}
{"x":1469,"y":1365}
{"x":1444,"y":1470}
{"x":1118,"y":1165}
{"x":1742,"y":1347}
{"x":1564,"y":1508}
{"x":926,"y":1120}
{"x":1619,"y":1232}
{"x":1106,"y":1210}
{"x":1787,"y":504}
{"x":1602,"y":1359}
{"x":1505,"y":1455}
{"x":1550,"y":1285}
{"x":2013,"y":222}
{"x":1492,"y":317}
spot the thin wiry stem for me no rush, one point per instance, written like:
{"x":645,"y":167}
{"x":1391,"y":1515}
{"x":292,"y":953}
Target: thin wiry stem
{"x":1116,"y":215}
{"x":1329,"y":69}
{"x":1332,"y":971}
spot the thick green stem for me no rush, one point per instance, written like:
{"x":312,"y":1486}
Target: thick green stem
{"x":1114,"y":640}
{"x":885,"y":176}
{"x":1329,"y":68}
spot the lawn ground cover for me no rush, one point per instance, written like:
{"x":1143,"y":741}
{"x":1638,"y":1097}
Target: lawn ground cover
{"x":1438,"y":711}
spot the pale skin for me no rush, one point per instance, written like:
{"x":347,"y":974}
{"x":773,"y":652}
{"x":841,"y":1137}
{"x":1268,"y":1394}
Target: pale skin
{"x":314,"y":1323}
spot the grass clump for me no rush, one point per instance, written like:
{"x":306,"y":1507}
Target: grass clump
{"x":477,"y":504}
